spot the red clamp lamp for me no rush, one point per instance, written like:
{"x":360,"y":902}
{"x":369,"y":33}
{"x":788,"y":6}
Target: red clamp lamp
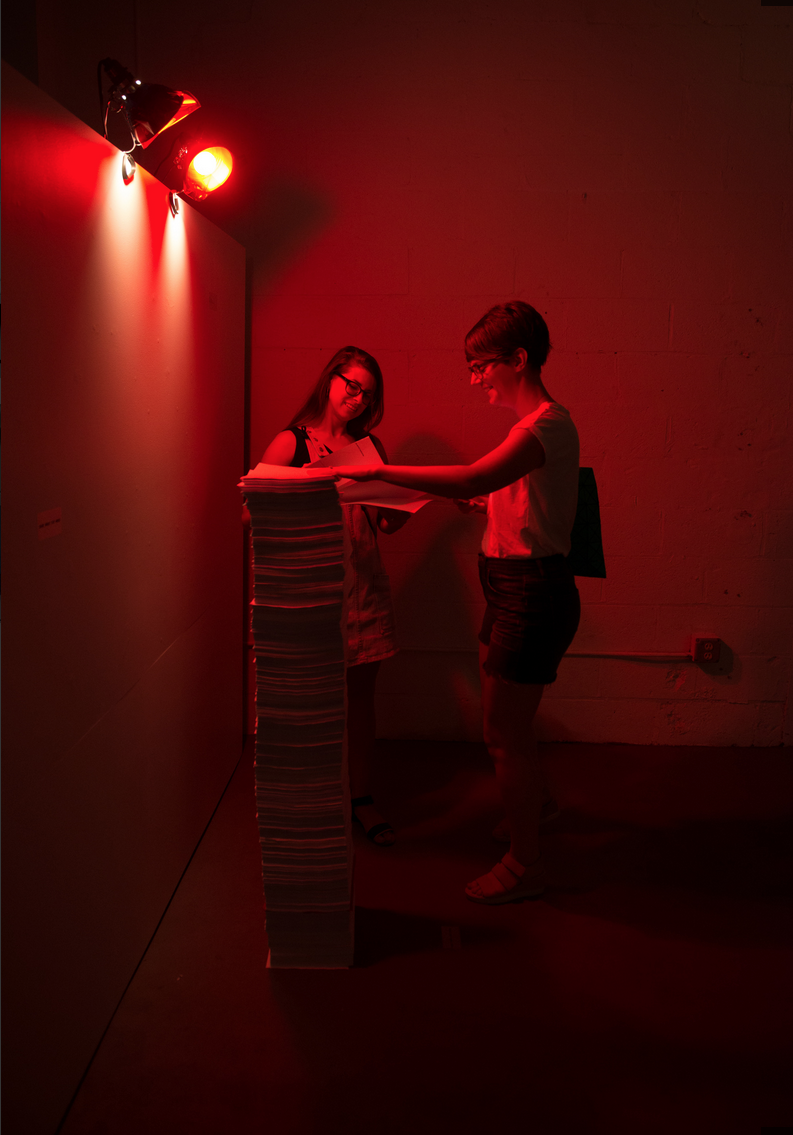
{"x":206,"y":171}
{"x":149,"y":108}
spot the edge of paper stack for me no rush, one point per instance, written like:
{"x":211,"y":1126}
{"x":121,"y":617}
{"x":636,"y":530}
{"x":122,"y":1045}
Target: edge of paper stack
{"x":302,"y":798}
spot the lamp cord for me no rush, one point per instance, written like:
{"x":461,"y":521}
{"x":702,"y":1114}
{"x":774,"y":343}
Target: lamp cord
{"x":104,"y":107}
{"x":104,"y":110}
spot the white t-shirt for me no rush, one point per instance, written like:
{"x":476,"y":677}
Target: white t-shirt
{"x":534,"y":516}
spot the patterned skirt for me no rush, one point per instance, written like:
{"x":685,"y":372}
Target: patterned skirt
{"x":371,"y":634}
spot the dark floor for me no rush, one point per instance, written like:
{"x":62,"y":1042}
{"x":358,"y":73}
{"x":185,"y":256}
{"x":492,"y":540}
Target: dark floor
{"x":648,"y":991}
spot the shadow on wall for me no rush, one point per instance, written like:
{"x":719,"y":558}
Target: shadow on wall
{"x":275,"y":224}
{"x":289,"y":216}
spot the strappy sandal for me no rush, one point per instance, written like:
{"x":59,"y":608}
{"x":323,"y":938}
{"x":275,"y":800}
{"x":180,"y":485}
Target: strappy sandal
{"x":376,"y":829}
{"x":508,"y":881}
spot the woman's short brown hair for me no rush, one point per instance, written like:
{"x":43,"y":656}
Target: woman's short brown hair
{"x":505,"y":328}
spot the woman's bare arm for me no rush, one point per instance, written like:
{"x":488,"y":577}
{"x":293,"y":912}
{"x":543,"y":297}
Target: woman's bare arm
{"x":281,"y":449}
{"x":518,"y":455}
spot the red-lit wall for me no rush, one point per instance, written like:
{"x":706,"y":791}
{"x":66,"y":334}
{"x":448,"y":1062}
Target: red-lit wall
{"x":623,"y":164}
{"x":626,"y":167}
{"x":124,"y":338}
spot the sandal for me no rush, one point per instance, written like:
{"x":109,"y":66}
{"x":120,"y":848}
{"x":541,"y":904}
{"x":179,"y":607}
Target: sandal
{"x":508,"y":881}
{"x":550,"y":811}
{"x":381,"y":829}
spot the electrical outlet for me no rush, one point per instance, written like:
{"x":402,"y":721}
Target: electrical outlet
{"x":705,"y":649}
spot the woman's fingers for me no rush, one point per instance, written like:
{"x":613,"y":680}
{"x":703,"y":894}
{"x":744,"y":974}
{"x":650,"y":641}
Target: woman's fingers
{"x":354,"y":472}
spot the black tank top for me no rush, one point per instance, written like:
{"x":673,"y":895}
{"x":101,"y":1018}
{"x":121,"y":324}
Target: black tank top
{"x":302,"y":456}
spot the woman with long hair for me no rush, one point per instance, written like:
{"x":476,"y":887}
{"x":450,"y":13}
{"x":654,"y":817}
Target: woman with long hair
{"x":530,"y":482}
{"x":345,"y":404}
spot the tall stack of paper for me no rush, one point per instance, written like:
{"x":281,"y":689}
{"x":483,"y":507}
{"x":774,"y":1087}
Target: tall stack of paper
{"x":302,"y":800}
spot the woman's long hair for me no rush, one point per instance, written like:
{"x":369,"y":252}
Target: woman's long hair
{"x":313,"y":409}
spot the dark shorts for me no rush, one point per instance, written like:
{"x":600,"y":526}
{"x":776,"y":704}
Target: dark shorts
{"x":532,"y":615}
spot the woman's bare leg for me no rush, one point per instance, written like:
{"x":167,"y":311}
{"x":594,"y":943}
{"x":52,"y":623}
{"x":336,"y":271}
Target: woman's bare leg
{"x":508,"y":712}
{"x":361,"y":724}
{"x":361,"y":730}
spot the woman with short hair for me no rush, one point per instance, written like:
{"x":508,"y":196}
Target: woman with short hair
{"x":530,"y":482}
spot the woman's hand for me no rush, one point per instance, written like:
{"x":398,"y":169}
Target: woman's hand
{"x":390,"y":520}
{"x":476,"y":504}
{"x":356,"y":472}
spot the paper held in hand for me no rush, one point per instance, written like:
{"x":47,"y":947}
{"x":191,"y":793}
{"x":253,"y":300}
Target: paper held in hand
{"x":379,"y":494}
{"x":375,"y":493}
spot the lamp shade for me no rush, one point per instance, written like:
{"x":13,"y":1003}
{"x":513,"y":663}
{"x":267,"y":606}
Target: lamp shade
{"x":152,"y":108}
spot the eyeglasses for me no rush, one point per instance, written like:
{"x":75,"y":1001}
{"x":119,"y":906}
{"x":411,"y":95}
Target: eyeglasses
{"x":478,"y":369}
{"x":354,"y":388}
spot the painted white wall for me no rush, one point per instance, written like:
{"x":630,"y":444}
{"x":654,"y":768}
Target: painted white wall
{"x":124,"y":339}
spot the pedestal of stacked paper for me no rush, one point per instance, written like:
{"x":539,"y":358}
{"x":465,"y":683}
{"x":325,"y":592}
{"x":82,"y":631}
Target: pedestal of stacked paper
{"x":302,"y":799}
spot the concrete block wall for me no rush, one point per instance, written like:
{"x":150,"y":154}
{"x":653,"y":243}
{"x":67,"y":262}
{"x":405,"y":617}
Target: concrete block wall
{"x":626,"y":168}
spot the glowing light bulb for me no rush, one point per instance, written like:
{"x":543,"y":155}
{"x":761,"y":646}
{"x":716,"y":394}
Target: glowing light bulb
{"x":205,"y":163}
{"x":208,"y":170}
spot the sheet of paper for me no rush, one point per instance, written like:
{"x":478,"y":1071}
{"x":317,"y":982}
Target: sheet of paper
{"x":361,"y":452}
{"x":375,"y":493}
{"x":285,"y":472}
{"x":380,"y":494}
